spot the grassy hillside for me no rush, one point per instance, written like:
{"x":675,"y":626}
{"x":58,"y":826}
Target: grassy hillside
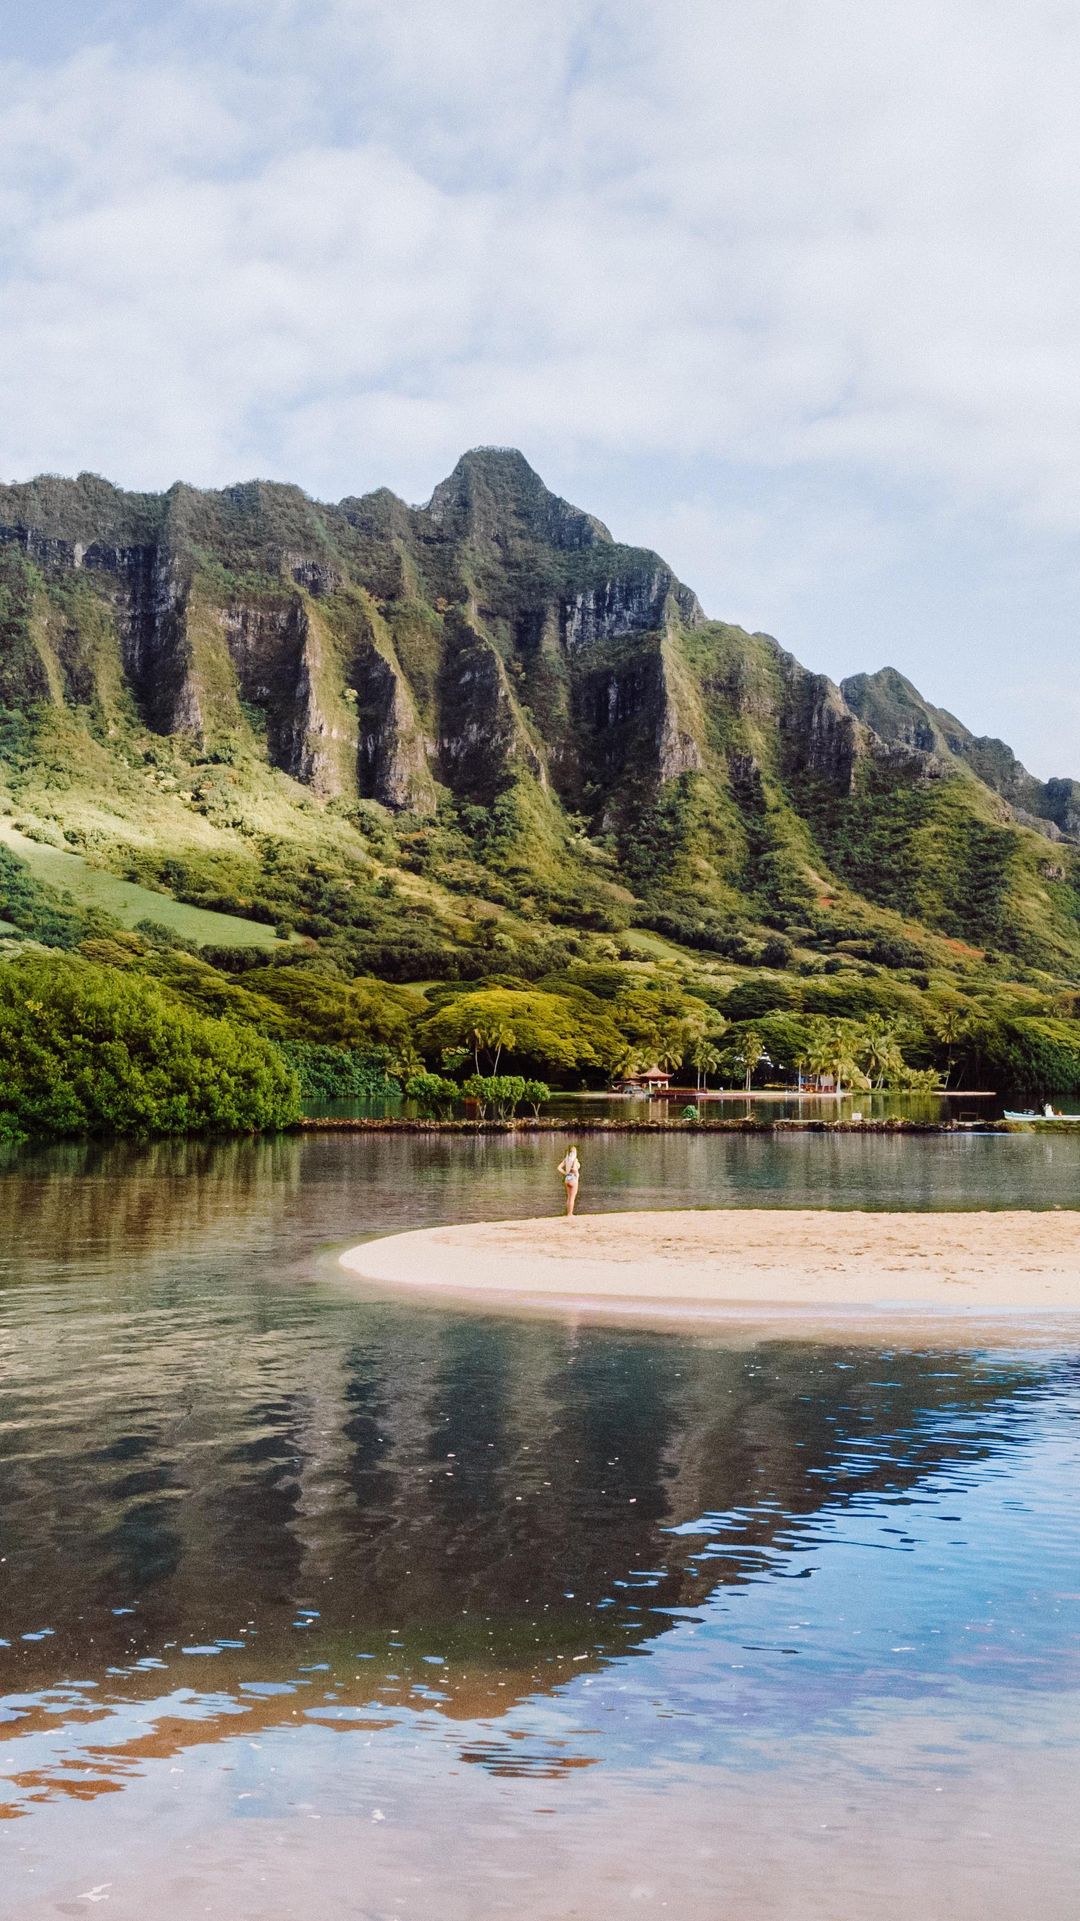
{"x":481,"y":746}
{"x":127,"y":903}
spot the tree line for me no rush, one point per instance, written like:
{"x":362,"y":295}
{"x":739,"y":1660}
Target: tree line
{"x":137,"y":1035}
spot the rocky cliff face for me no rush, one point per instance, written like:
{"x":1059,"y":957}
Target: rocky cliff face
{"x":496,"y":639}
{"x":259,"y":599}
{"x":901,"y":716}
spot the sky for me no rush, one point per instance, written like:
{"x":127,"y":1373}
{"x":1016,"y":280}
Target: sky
{"x":786,"y":289}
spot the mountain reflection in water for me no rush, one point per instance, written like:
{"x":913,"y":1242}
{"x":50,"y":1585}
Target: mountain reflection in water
{"x":243,"y":1514}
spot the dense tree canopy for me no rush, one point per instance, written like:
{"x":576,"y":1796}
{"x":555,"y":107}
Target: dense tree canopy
{"x":342,"y":1013}
{"x":551,"y":1032}
{"x":139,"y":1031}
{"x":85,"y":1050}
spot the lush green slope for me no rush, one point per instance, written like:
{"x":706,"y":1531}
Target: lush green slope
{"x":482,"y":741}
{"x":124,"y":901}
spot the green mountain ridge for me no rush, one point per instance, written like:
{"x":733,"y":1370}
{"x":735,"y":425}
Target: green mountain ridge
{"x":896,"y":711}
{"x":490,"y":700}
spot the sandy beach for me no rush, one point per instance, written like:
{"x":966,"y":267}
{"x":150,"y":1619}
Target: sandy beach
{"x":751,"y":1267}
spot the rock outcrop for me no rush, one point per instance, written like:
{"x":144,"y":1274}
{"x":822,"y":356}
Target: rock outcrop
{"x":897,"y":712}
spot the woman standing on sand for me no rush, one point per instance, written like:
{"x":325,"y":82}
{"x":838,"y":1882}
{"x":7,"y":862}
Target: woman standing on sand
{"x":570,"y":1169}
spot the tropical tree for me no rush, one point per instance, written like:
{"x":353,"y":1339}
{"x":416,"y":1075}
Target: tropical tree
{"x":491,"y":1037}
{"x":503,"y":1092}
{"x":405,"y":1060}
{"x":554,"y":1034}
{"x":878,"y":1051}
{"x":629,"y":1060}
{"x":433,"y":1092}
{"x":312,"y":1006}
{"x":706,"y":1058}
{"x":655,"y":1015}
{"x":744,"y":1053}
{"x":536,"y":1093}
{"x":819,"y":1050}
{"x":478,"y":1039}
{"x":87,"y":1049}
{"x":341,"y":1073}
{"x":949,"y":1021}
{"x":671,"y":1048}
{"x":834,"y":1050}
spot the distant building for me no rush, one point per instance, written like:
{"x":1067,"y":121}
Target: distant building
{"x":650,"y":1080}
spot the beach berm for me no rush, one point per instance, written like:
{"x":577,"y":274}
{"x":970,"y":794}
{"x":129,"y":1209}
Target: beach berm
{"x":747,"y":1265}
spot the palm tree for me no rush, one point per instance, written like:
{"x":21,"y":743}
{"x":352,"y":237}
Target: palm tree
{"x":500,"y":1035}
{"x":834,"y":1050}
{"x":949,"y":1021}
{"x":700,"y":1033}
{"x":490,"y":1037}
{"x":671,"y":1049}
{"x":629,"y":1060}
{"x":750,"y":1049}
{"x":706,"y":1059}
{"x":845,"y":1054}
{"x":819,"y":1051}
{"x":979,"y":1032}
{"x":406,"y":1061}
{"x":878,"y":1049}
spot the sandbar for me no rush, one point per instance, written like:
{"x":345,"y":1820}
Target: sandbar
{"x":784,"y":1270}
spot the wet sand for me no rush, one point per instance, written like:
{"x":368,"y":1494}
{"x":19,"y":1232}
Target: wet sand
{"x":751,"y":1267}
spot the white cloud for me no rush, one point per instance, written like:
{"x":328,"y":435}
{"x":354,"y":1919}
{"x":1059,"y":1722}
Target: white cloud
{"x":785,"y":233}
{"x":341,"y":239}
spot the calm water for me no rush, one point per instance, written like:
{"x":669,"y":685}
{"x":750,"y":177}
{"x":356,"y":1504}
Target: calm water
{"x":315,"y":1608}
{"x":886,"y":1105}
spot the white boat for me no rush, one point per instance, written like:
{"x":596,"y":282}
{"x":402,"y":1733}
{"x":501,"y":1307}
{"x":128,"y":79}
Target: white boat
{"x":1033,"y":1116}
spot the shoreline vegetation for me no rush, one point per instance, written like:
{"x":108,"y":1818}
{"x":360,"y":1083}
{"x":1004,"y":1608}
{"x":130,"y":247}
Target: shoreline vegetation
{"x":925,"y":1275}
{"x":130,"y":1035}
{"x":618,"y":1124}
{"x":139,"y":1032}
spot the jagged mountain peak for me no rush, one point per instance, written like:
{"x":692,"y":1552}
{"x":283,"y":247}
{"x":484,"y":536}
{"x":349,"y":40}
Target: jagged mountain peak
{"x":494,"y":494}
{"x":893,"y":706}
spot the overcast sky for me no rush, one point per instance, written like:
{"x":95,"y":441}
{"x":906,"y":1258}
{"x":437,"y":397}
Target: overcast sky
{"x":788,"y":289}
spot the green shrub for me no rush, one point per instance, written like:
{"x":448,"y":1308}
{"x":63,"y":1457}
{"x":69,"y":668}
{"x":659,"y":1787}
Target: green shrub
{"x":233,"y":960}
{"x":503,"y":1092}
{"x":41,"y":912}
{"x":434,"y":1093}
{"x":1029,"y":1055}
{"x":752,"y":998}
{"x":86,"y":1049}
{"x":535,"y":1094}
{"x":340,"y":1073}
{"x":777,"y":952}
{"x":333,"y":1012}
{"x":890,"y":951}
{"x":156,"y":934}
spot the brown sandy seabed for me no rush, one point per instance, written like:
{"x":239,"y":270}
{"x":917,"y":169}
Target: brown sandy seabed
{"x":786,"y":1272}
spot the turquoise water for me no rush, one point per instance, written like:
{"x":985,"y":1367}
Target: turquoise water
{"x":316,"y":1607}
